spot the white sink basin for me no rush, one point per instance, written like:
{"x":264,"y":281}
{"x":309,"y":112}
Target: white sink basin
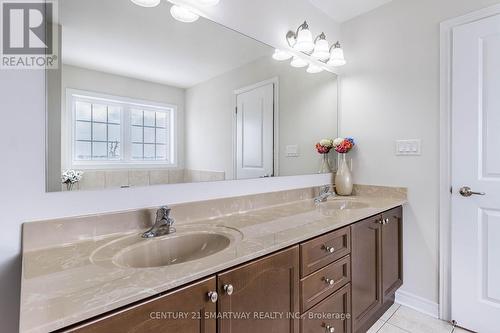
{"x":186,"y":245}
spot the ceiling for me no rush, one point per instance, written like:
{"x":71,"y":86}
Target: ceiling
{"x":344,"y":10}
{"x":118,"y":37}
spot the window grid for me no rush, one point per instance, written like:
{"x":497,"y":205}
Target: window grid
{"x":155,"y":143}
{"x":92,"y":141}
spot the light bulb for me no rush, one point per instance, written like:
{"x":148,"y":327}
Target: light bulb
{"x":298,"y":62}
{"x":146,"y":3}
{"x":314,"y":69}
{"x":183,"y":14}
{"x":337,"y":57}
{"x":321,"y":48}
{"x":304,"y":39}
{"x":281,"y":55}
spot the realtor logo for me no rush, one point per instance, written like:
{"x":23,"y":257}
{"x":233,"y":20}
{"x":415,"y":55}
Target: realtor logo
{"x":29,"y":34}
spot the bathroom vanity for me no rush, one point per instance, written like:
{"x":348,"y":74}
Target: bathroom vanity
{"x":291,"y":266}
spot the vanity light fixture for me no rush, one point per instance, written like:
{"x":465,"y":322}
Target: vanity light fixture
{"x":302,"y":39}
{"x":182,"y":10}
{"x":337,"y":56}
{"x":183,"y":14}
{"x":298,"y":62}
{"x":318,"y":49}
{"x":147,"y":3}
{"x":321,"y":48}
{"x":281,"y":55}
{"x":314,"y":69}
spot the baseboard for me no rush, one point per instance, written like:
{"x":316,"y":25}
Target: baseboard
{"x":417,"y":303}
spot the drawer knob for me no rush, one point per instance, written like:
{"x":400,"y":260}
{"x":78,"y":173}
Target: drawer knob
{"x":331,"y":282}
{"x":330,"y":329}
{"x":329,"y":249}
{"x":229,"y":289}
{"x":213,"y":296}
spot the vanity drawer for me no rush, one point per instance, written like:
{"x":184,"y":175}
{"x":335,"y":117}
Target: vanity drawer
{"x":322,"y":251}
{"x":333,"y":312}
{"x":319,"y":285}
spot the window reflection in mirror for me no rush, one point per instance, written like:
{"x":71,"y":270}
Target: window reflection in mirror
{"x":142,"y":99}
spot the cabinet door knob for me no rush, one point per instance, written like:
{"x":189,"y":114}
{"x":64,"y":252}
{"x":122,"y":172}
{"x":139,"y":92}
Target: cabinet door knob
{"x":329,"y":329}
{"x":331,"y":282}
{"x":213,"y":296}
{"x":229,"y":289}
{"x":329,"y":249}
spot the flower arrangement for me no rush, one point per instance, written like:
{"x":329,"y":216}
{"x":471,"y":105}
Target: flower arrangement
{"x":71,"y":177}
{"x":324,"y":146}
{"x":343,"y":145}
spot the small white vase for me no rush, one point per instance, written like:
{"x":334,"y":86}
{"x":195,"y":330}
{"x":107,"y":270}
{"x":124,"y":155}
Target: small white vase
{"x":343,"y":178}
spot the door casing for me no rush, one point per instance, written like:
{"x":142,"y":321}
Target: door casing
{"x":445,"y":180}
{"x":276,"y":148}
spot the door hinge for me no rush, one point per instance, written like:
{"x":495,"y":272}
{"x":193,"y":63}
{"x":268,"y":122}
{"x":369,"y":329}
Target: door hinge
{"x":236,"y":110}
{"x":451,"y":189}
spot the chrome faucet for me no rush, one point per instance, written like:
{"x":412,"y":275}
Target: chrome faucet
{"x":324,"y":193}
{"x":164,"y":224}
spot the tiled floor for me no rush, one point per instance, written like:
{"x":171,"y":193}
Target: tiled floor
{"x":400,"y":319}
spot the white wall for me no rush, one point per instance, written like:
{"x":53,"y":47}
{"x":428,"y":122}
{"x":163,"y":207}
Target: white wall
{"x":307,"y":113}
{"x":22,"y":148}
{"x":390,"y":91}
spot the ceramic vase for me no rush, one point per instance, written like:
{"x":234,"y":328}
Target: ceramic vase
{"x":343,"y":178}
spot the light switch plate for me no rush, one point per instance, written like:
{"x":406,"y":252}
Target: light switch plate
{"x":409,"y":147}
{"x":292,"y":151}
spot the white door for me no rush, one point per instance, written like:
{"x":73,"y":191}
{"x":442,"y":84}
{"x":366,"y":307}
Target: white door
{"x":476,"y":165}
{"x":255,"y":133}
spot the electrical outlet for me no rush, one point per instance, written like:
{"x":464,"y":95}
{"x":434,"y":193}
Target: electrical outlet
{"x":409,"y":147}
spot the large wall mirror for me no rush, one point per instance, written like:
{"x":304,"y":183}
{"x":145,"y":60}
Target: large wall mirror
{"x":142,"y":99}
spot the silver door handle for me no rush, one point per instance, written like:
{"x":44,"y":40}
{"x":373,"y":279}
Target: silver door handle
{"x":467,"y":192}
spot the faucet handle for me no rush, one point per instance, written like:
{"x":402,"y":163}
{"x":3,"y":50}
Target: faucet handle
{"x":163,"y":213}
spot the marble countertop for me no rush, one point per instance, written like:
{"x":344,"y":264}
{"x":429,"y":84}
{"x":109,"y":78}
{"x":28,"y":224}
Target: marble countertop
{"x":62,"y":286}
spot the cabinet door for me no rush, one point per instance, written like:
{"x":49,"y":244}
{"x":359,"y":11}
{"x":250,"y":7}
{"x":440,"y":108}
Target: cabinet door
{"x":332,"y":313}
{"x":266,"y":290}
{"x":392,"y":252}
{"x":366,"y":274}
{"x":182,"y":311}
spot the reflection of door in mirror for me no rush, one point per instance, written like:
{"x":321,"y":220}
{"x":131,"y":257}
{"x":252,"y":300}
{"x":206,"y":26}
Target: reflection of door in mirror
{"x":254,"y":132}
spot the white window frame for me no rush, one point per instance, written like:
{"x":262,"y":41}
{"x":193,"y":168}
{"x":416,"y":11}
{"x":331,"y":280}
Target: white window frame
{"x":126,"y":103}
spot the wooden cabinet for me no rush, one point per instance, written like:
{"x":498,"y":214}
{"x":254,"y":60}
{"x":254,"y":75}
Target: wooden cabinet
{"x":324,"y":250}
{"x":376,"y":266}
{"x":342,"y":281}
{"x":366,"y":273}
{"x":392,"y":253}
{"x":317,"y":286}
{"x":188,"y":310}
{"x":332,"y":313}
{"x":268,"y":286}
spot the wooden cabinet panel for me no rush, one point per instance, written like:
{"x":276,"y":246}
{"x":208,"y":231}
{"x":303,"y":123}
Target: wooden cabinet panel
{"x":317,"y":286}
{"x":366,"y":273}
{"x":268,"y":286}
{"x":324,"y":250}
{"x":392,"y":252}
{"x":182,"y":311}
{"x":333,"y":311}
